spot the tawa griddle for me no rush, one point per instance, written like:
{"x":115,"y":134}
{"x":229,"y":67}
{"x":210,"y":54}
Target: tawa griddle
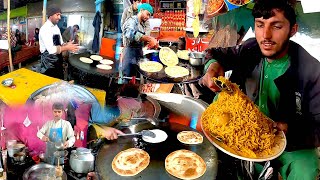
{"x":158,"y":152}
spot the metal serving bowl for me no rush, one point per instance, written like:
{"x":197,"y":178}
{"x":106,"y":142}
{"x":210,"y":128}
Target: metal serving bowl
{"x":7,"y":82}
{"x":196,"y":58}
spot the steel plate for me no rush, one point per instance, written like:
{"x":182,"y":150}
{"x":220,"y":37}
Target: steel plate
{"x":158,"y":152}
{"x":40,"y":172}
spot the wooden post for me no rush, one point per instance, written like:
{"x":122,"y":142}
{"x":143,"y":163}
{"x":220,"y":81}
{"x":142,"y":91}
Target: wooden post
{"x":9,"y":37}
{"x":44,"y":11}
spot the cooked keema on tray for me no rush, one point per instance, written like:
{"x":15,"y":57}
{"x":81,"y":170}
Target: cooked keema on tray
{"x":150,"y":66}
{"x":185,"y":164}
{"x":168,"y":57}
{"x":130,"y":162}
{"x":245,"y":132}
{"x":86,"y":60}
{"x":190,"y":137}
{"x":176,"y":71}
{"x":96,"y":57}
{"x":104,"y":66}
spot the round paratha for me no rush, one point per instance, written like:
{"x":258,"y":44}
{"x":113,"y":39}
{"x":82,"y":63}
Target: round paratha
{"x":130,"y":162}
{"x":96,"y":57}
{"x":176,"y":71}
{"x":190,"y":137}
{"x":106,"y":61}
{"x":86,"y":60}
{"x":104,"y":66}
{"x":168,"y":57}
{"x":150,"y":66}
{"x":185,"y":164}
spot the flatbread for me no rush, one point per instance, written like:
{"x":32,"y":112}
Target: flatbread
{"x":104,"y":66}
{"x":183,"y":54}
{"x":160,"y":136}
{"x":106,"y":61}
{"x":150,"y":66}
{"x":130,"y":162}
{"x":86,"y":60}
{"x":185,"y":164}
{"x":190,"y":137}
{"x":168,"y":57}
{"x":176,"y":71}
{"x":96,"y":57}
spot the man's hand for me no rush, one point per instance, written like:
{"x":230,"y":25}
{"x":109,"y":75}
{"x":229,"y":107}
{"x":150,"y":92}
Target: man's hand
{"x":45,"y":138}
{"x":281,"y":126}
{"x":92,"y":176}
{"x":214,"y":70}
{"x":111,"y":133}
{"x":65,"y":145}
{"x":153,"y":43}
{"x":70,"y":47}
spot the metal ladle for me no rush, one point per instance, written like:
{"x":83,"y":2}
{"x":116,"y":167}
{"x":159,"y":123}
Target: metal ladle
{"x":222,"y":86}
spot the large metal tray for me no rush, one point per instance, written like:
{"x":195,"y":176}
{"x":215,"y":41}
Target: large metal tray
{"x":82,"y":92}
{"x":41,"y":172}
{"x":158,"y":152}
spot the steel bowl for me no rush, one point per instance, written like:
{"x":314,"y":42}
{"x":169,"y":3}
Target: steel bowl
{"x":196,"y":58}
{"x":7,"y":82}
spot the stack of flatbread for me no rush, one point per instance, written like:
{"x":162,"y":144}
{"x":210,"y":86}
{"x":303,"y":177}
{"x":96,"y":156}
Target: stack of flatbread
{"x":130,"y":162}
{"x":190,"y":137}
{"x":185,"y":164}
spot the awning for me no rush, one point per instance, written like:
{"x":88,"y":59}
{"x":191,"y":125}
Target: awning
{"x":18,"y":12}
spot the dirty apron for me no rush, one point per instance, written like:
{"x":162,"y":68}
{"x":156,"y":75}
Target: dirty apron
{"x":131,"y":56}
{"x":52,"y":64}
{"x":55,"y":136}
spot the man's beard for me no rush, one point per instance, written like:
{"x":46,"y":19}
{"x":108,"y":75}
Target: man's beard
{"x":283,"y":47}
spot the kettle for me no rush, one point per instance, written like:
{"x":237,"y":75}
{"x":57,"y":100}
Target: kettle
{"x":82,"y":160}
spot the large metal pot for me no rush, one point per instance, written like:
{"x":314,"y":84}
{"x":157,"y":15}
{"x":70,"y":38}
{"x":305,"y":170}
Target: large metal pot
{"x":81,"y":160}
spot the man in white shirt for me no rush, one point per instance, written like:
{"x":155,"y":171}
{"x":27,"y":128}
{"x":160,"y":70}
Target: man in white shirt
{"x":57,"y":130}
{"x":51,"y":44}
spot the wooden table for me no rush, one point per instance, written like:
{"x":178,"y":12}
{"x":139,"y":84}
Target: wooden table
{"x":26,"y":82}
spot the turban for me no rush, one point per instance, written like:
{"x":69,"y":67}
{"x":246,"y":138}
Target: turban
{"x":145,"y":6}
{"x":53,"y":9}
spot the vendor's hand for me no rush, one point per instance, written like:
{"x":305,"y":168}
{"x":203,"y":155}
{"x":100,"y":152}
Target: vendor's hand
{"x":65,"y":145}
{"x":111,"y":133}
{"x":214,"y":70}
{"x":153,"y":43}
{"x":72,"y":47}
{"x":45,"y":138}
{"x":281,"y":126}
{"x":92,"y":176}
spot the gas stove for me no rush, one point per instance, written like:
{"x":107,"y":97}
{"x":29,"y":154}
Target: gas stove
{"x":75,"y":176}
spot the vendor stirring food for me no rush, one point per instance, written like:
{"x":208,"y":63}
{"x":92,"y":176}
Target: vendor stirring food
{"x":57,"y":130}
{"x":282,"y":78}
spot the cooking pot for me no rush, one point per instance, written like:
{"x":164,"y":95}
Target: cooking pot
{"x":81,"y":160}
{"x":196,"y":58}
{"x":15,"y":149}
{"x":19,"y":156}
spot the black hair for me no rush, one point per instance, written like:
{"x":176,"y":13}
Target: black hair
{"x":264,"y":8}
{"x":76,"y":25}
{"x":134,"y":1}
{"x":57,"y":105}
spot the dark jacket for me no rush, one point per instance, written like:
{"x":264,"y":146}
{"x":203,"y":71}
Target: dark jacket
{"x":299,"y":87}
{"x":96,"y":24}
